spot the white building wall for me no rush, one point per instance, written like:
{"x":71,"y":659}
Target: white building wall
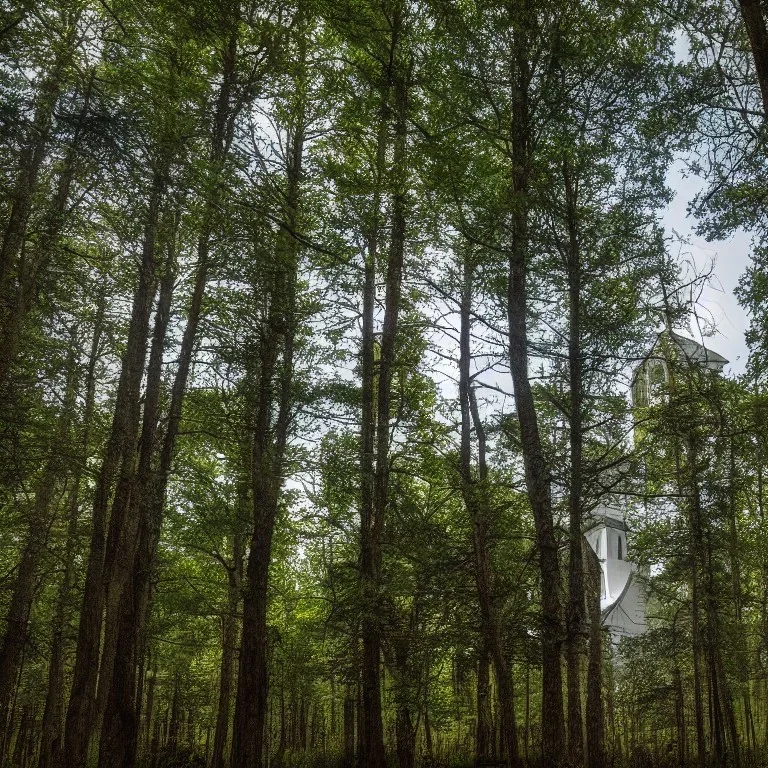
{"x":627,"y":617}
{"x":622,"y":597}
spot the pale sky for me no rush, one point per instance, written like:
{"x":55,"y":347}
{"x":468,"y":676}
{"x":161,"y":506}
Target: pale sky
{"x":731,"y":258}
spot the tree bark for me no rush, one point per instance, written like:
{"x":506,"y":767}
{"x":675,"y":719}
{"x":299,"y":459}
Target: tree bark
{"x":228,"y":650}
{"x":595,"y":710}
{"x":575,"y":616}
{"x":40,"y":520}
{"x":270,"y":433}
{"x":537,"y":472}
{"x":476,"y":500}
{"x":484,"y":725}
{"x":754,"y":21}
{"x":120,"y":729}
{"x":53,"y":714}
{"x":118,"y":451}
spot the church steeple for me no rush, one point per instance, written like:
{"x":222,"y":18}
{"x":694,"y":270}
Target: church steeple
{"x":653,"y":371}
{"x":622,"y":596}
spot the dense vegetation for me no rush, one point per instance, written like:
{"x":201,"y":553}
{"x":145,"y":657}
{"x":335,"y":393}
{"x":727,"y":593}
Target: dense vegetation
{"x":318,"y":324}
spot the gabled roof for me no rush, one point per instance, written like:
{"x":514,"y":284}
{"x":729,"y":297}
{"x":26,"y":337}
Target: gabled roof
{"x":691,"y":350}
{"x":696,"y":352}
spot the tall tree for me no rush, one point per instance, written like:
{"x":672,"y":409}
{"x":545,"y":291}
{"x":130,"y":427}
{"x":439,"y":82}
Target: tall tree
{"x":269,"y":431}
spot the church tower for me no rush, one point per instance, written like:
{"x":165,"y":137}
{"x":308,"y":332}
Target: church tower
{"x":622,"y":596}
{"x":653,"y":371}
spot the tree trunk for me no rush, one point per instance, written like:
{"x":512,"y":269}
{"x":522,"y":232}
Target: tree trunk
{"x":694,"y":521}
{"x":152,"y":485}
{"x":405,"y":737}
{"x":128,"y":591}
{"x":374,"y":509}
{"x":269,"y":442}
{"x":537,"y":472}
{"x":228,"y":650}
{"x":37,"y":254}
{"x":595,"y":710}
{"x":475,"y":492}
{"x":754,"y":21}
{"x":370,"y":725}
{"x":484,"y":726}
{"x":39,"y":523}
{"x":53,"y":713}
{"x":349,"y":728}
{"x":149,"y":711}
{"x":575,"y":616}
{"x":252,"y":687}
{"x":118,"y":451}
{"x":31,"y":159}
{"x":361,"y":748}
{"x":172,"y":738}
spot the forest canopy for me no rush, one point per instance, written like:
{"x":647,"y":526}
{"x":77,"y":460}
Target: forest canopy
{"x":356,"y":408}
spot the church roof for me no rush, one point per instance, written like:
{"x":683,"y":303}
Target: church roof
{"x":626,"y":616}
{"x":610,"y":521}
{"x":606,"y":514}
{"x":692,"y":351}
{"x":696,"y":352}
{"x":617,"y":602}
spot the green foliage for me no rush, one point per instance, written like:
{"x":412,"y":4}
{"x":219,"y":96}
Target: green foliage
{"x":202,"y":109}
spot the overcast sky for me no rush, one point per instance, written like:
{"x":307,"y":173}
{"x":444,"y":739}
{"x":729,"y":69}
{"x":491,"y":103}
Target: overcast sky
{"x":730,"y":261}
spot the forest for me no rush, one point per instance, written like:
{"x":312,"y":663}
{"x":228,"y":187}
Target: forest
{"x":345,"y":367}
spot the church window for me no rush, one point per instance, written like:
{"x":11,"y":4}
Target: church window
{"x":640,"y":390}
{"x":621,"y":549}
{"x":658,"y":376}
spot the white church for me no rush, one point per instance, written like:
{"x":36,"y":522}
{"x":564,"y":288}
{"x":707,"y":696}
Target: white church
{"x":622,"y":593}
